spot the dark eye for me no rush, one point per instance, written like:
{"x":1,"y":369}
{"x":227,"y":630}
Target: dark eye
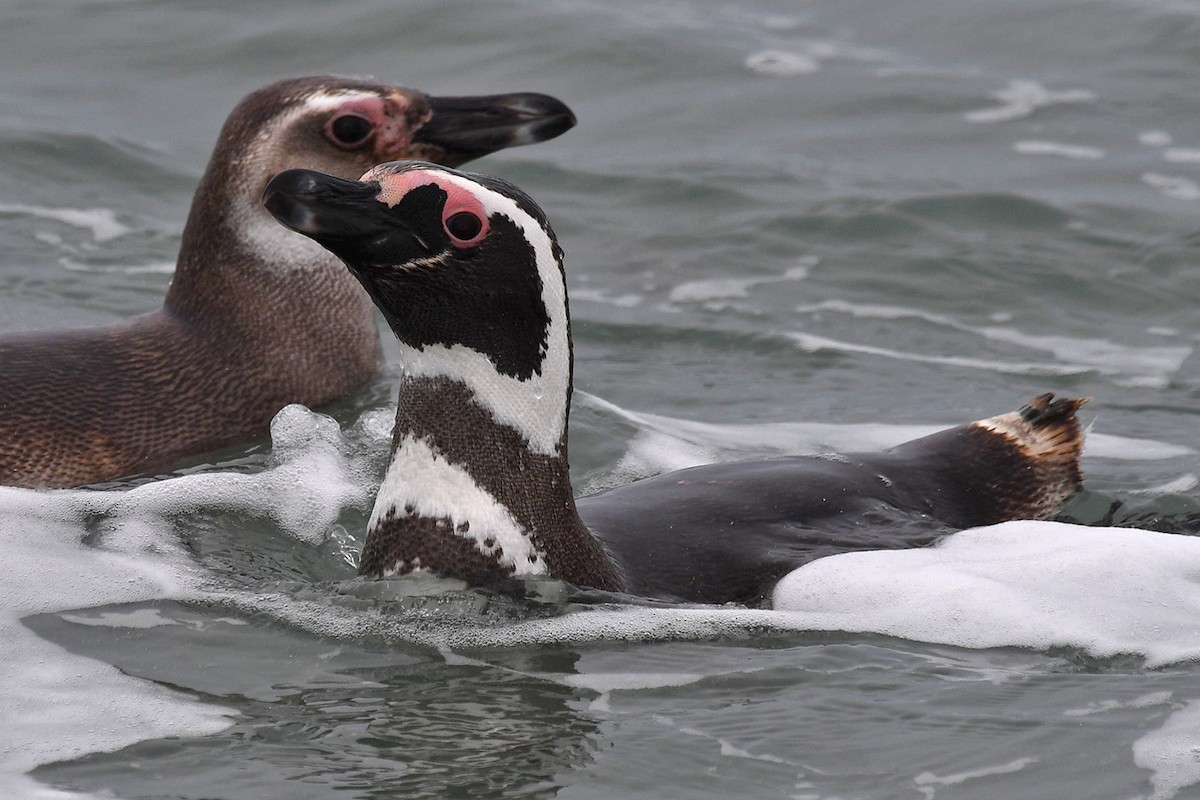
{"x":350,"y":129}
{"x":464,"y":225}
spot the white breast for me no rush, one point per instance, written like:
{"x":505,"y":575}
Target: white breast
{"x":420,"y":479}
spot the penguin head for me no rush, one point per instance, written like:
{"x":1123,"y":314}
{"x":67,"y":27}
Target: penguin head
{"x":345,"y":125}
{"x":450,"y":258}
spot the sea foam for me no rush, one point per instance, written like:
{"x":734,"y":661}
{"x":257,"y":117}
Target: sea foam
{"x":58,"y":705}
{"x":1025,"y":584}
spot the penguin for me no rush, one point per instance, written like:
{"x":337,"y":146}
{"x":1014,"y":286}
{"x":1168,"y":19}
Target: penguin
{"x":469,"y":276}
{"x":255,"y":318}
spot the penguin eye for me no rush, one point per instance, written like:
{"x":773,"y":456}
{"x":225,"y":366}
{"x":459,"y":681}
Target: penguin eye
{"x":463,"y":226}
{"x":350,"y":130}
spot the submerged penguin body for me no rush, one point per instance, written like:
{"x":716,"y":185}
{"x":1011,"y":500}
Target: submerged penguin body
{"x":730,"y":531}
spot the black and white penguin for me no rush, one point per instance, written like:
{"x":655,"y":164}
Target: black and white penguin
{"x":470,"y":278}
{"x":256,"y":317}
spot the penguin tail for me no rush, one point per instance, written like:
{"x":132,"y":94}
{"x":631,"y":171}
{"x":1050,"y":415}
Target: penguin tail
{"x":1024,"y":464}
{"x":1047,"y":430}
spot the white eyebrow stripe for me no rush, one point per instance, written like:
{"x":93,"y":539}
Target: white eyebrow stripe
{"x":328,"y":100}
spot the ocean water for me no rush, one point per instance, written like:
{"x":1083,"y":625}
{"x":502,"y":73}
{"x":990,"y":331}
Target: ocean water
{"x":790,"y":227}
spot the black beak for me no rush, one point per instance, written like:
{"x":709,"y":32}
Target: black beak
{"x":343,"y":216}
{"x":317,"y":204}
{"x":470,"y":127}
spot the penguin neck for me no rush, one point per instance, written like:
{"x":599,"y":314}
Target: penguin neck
{"x":230,"y":238}
{"x":236,"y":263}
{"x":478,"y":486}
{"x":241,"y":277}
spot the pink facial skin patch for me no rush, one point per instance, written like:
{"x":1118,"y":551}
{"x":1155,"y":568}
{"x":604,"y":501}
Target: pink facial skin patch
{"x":464,"y":218}
{"x":383,"y":120}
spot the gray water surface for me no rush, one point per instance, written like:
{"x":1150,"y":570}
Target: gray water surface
{"x":789,"y":227}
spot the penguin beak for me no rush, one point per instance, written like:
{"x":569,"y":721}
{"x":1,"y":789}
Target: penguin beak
{"x":342,"y":216}
{"x":314,"y":203}
{"x":470,"y":127}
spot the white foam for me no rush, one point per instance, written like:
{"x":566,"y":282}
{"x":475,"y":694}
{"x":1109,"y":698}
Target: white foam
{"x":804,"y":57}
{"x":21,"y":787}
{"x":1127,"y":448}
{"x":1021,"y":99}
{"x":1105,"y":706}
{"x":605,"y":682}
{"x":1184,"y":483}
{"x":877,"y":311}
{"x":1038,"y":585}
{"x":664,"y":443}
{"x":703,"y":291}
{"x":312,"y":481}
{"x":1171,"y":753}
{"x":61,"y":706}
{"x":1041,"y":148}
{"x":812,"y":343}
{"x":139,"y":618}
{"x":1155,"y":138}
{"x":1108,"y":591}
{"x":1151,"y":367}
{"x":1173,"y":185}
{"x":727,"y":748}
{"x":927,"y":781}
{"x":1182,"y":155}
{"x":58,"y":705}
{"x":600,"y":296}
{"x":153,"y":268}
{"x":1128,"y":365}
{"x":780,"y":63}
{"x":1035,"y":585}
{"x":101,"y":222}
{"x":669,"y":446}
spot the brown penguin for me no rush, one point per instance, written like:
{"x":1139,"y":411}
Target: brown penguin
{"x":256,"y":317}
